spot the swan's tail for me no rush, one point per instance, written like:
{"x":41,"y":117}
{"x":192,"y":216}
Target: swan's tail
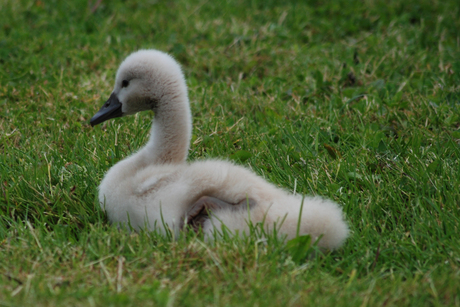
{"x":320,"y":218}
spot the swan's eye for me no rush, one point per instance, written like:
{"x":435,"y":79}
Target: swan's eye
{"x":125,"y":83}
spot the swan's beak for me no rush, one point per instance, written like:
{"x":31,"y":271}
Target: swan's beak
{"x":110,"y":109}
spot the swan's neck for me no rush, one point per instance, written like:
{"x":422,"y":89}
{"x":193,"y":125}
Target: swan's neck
{"x":171,"y":131}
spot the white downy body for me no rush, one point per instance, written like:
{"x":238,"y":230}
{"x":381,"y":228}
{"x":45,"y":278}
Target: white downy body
{"x":155,"y":186}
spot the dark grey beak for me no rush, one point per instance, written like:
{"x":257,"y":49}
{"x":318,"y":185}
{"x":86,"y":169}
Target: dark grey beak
{"x":110,"y":109}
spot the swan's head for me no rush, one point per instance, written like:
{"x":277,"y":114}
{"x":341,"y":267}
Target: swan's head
{"x":145,"y":80}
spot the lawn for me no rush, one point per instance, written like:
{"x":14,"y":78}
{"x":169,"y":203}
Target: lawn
{"x":354,"y":100}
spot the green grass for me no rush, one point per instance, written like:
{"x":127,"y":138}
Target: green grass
{"x":354,"y":100}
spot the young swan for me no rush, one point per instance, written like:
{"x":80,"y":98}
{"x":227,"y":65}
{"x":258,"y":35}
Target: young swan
{"x":157,"y":188}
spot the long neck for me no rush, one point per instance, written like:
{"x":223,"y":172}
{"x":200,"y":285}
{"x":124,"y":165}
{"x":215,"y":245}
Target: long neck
{"x":171,"y":131}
